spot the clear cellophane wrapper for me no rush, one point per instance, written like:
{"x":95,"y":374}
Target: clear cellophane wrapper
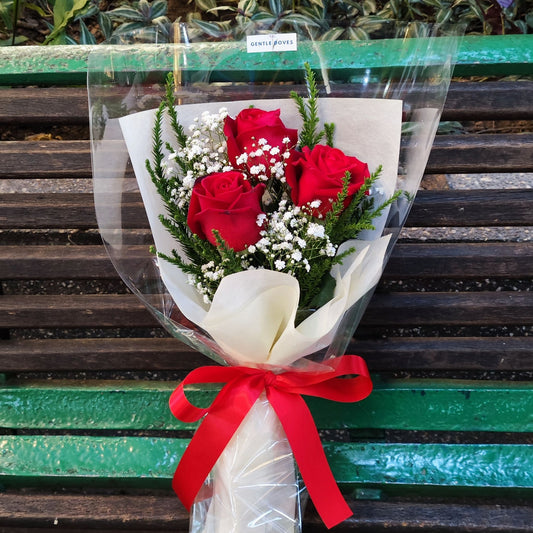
{"x":385,"y":116}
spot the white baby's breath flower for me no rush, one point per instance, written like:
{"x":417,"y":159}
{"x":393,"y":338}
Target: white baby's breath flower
{"x":261,"y":218}
{"x":316,"y":230}
{"x":256,"y":170}
{"x":279,"y":264}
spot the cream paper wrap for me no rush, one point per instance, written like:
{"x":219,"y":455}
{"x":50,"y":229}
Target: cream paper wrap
{"x":254,"y":487}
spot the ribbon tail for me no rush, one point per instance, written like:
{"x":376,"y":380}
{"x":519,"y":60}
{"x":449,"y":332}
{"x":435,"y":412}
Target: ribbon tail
{"x":303,"y":437}
{"x":225,"y":416}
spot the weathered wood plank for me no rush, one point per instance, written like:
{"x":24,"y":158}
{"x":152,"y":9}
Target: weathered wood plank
{"x":450,"y":153}
{"x":154,"y":354}
{"x":44,"y":105}
{"x":496,"y":207}
{"x":164,"y":512}
{"x":481,"y":153}
{"x":459,"y":309}
{"x":393,"y":309}
{"x":45,"y":159}
{"x":503,"y":100}
{"x":408,"y":260}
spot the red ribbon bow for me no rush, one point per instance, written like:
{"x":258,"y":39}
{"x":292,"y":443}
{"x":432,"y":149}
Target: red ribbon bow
{"x":243,"y":387}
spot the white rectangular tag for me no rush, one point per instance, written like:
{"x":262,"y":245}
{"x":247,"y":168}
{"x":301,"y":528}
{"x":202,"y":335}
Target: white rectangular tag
{"x":275,"y":42}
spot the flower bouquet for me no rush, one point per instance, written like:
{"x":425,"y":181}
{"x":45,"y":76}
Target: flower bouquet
{"x":271,"y":221}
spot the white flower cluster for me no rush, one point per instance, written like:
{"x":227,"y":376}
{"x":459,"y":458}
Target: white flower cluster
{"x":290,"y":240}
{"x":204,"y":153}
{"x":211,"y":275}
{"x":264,"y":161}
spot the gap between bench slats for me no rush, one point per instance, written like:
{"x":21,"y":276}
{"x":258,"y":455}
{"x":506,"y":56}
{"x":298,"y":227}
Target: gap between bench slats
{"x":394,"y":309}
{"x":155,"y":354}
{"x":490,"y":207}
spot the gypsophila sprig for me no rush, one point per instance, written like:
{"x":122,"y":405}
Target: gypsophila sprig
{"x":247,"y":192}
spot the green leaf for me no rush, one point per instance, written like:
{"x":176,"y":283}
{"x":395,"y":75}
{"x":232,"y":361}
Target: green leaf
{"x":37,"y":8}
{"x":211,"y":28}
{"x":263,"y":17}
{"x":443,"y":16}
{"x":86,"y":37}
{"x":106,"y":24}
{"x":19,"y":39}
{"x":369,"y":6}
{"x":126,"y":13}
{"x":300,"y":20}
{"x":248,"y":7}
{"x":64,"y":12}
{"x":357,"y":34}
{"x":129,"y":26}
{"x":332,"y":34}
{"x":206,"y":5}
{"x":159,"y":8}
{"x":276,"y":8}
{"x":90,"y":11}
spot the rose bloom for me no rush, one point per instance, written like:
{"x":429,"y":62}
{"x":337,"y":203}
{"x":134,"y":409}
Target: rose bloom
{"x":226,"y":202}
{"x":252,"y":124}
{"x":318,"y":174}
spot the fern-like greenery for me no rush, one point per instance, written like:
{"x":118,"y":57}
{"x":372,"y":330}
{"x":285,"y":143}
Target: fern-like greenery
{"x":308,"y":109}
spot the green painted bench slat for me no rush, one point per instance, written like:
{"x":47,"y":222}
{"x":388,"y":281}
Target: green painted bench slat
{"x":397,"y":467}
{"x":396,"y":404}
{"x":497,"y":55}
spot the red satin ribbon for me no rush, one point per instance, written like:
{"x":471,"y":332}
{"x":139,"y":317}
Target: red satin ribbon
{"x":243,"y":387}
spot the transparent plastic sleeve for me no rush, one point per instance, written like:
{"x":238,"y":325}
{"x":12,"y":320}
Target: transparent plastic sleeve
{"x":385,"y":97}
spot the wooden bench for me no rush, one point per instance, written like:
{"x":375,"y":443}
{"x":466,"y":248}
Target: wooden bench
{"x":444,"y":443}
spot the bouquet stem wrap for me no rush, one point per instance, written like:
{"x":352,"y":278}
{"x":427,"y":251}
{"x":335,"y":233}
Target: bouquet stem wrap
{"x":243,"y":388}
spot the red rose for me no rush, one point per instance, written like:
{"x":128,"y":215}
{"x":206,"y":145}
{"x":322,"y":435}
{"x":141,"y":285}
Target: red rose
{"x":317,"y":174}
{"x":250,"y":125}
{"x":228,"y":203}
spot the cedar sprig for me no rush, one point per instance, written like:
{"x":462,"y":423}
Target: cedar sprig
{"x":170,"y":102}
{"x":308,"y":109}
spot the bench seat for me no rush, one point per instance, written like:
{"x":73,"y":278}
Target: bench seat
{"x":443,"y":444}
